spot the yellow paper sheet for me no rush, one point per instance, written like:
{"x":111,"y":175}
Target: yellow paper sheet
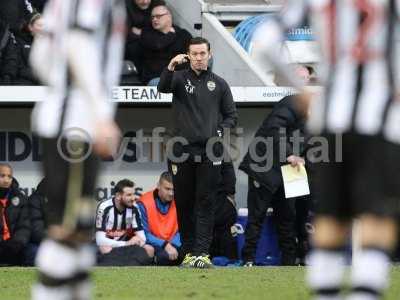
{"x":290,"y":173}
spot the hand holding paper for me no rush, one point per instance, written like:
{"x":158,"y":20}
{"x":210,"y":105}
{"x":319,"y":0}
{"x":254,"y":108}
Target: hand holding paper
{"x":295,"y":181}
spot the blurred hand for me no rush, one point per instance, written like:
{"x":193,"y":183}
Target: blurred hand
{"x":135,"y":241}
{"x":296,"y":161}
{"x":136,"y":31}
{"x":172,"y":252}
{"x":105,"y":249}
{"x":177,"y":60}
{"x":106,"y":138}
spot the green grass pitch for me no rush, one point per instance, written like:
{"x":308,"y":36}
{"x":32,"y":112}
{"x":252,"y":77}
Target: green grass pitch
{"x":174,"y":283}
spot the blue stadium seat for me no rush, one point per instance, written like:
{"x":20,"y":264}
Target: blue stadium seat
{"x":244,"y":31}
{"x":267,"y":252}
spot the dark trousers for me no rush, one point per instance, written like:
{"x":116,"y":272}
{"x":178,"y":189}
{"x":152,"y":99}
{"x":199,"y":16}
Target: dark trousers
{"x":223,"y":243}
{"x":125,"y":256}
{"x":162,"y":259}
{"x":195,"y":185}
{"x":11,"y":253}
{"x":303,"y":209}
{"x":259,"y":199}
{"x":30,"y":254}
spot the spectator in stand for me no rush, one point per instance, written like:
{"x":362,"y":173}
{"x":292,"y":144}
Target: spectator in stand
{"x":37,"y":203}
{"x":14,"y":219}
{"x":119,"y":232}
{"x":8,"y":54}
{"x":224,"y":243}
{"x":16,"y":12}
{"x":39,"y":4}
{"x":23,"y":75}
{"x":160,"y":43}
{"x":160,"y":222}
{"x":138,"y":17}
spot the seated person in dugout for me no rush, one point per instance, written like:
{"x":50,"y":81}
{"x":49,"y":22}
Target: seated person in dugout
{"x":119,"y":233}
{"x":14,"y":219}
{"x":160,"y":223}
{"x":38,"y":216}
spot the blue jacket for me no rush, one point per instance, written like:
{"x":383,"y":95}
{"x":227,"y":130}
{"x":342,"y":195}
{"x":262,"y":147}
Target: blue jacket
{"x":152,"y":239}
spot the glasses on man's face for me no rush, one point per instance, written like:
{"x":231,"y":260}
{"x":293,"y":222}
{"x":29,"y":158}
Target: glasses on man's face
{"x":159,"y":16}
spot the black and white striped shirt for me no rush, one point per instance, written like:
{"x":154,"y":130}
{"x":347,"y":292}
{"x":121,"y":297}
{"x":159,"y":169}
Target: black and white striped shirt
{"x":357,"y":39}
{"x":79,"y":57}
{"x":117,"y":226}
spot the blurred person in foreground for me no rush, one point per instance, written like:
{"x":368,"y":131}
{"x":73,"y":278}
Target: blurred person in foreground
{"x":76,"y":126}
{"x":358,"y":118}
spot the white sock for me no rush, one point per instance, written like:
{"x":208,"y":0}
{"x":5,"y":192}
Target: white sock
{"x":41,"y":292}
{"x":83,"y":290}
{"x":56,"y":263}
{"x":325,"y":273}
{"x":86,"y":260}
{"x":370,"y":274}
{"x":57,"y":260}
{"x":86,"y":257}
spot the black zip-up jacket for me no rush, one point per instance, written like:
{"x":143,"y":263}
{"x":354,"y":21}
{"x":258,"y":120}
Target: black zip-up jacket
{"x":280,"y":127}
{"x":16,"y":13}
{"x":228,"y":183}
{"x":201,"y":104}
{"x":38,"y":213}
{"x":24,"y":72}
{"x":8,"y":55}
{"x":137,"y":17}
{"x":17,"y":215}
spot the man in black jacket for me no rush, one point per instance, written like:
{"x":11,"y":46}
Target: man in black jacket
{"x":14,"y":219}
{"x":16,"y":12}
{"x":23,"y":74}
{"x":202,"y":107}
{"x":37,"y":203}
{"x":39,"y":4}
{"x":160,"y":43}
{"x":8,"y":54}
{"x":274,"y":145}
{"x":138,"y":17}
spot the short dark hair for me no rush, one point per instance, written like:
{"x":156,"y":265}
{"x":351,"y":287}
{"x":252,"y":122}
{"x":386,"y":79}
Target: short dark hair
{"x":6,"y":165}
{"x":160,"y":3}
{"x":198,"y":40}
{"x":166,"y":176}
{"x":155,"y":3}
{"x":119,"y":187}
